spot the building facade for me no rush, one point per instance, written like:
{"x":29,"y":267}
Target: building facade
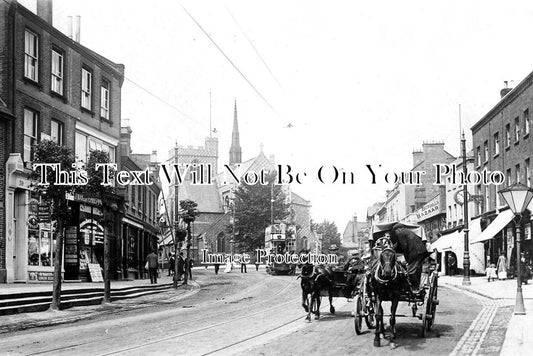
{"x":502,"y":142}
{"x":55,"y":88}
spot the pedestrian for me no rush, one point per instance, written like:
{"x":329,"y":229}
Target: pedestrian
{"x":491,"y":272}
{"x":171,"y":264}
{"x":257,"y":265}
{"x":229,"y":266}
{"x":191,"y":264}
{"x":217,"y":266}
{"x":151,"y":261}
{"x":243,"y":267}
{"x":181,"y":266}
{"x":502,"y":266}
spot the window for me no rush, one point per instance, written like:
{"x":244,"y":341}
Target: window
{"x":31,"y":55}
{"x":509,"y":177}
{"x":486,"y":150}
{"x":57,"y":72}
{"x":496,"y":144}
{"x":81,"y":147}
{"x":526,"y":122}
{"x":516,"y":129}
{"x":517,"y":173}
{"x":31,"y":119}
{"x":507,"y":135}
{"x":479,"y":203}
{"x":133,"y":203}
{"x":104,"y":100}
{"x":86,"y":82}
{"x":528,"y":173}
{"x":40,"y":247}
{"x":56,"y":132}
{"x":478,"y":156}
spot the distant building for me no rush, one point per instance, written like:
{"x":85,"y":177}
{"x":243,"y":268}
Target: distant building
{"x":355,"y":235}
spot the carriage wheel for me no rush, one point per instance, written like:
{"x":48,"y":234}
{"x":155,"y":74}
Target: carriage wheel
{"x":358,"y":317}
{"x":432,"y":303}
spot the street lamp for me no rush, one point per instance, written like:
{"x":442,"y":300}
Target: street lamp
{"x":518,"y":196}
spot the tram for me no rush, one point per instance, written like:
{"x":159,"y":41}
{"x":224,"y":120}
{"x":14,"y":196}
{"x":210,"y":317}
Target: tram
{"x":280,"y":239}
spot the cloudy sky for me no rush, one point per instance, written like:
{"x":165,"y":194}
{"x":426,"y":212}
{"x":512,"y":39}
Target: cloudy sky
{"x":359,"y":82}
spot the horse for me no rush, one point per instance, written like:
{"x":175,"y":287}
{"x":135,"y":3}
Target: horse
{"x":314,"y":280}
{"x":387,"y":282}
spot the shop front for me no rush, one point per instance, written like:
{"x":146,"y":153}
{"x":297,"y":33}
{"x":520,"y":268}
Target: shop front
{"x":30,"y":235}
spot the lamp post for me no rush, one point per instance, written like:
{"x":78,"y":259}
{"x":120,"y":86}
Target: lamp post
{"x":518,"y":196}
{"x":466,"y":255}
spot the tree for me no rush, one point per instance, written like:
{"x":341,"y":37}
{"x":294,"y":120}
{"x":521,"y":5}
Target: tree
{"x":330,"y":234}
{"x":106,"y":193}
{"x":253,"y":213}
{"x":48,"y":151}
{"x":189,"y":214}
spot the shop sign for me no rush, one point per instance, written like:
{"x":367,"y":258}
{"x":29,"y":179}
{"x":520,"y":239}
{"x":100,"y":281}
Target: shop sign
{"x":430,"y":209}
{"x":81,"y":198}
{"x":527,"y":232}
{"x":43,"y":212}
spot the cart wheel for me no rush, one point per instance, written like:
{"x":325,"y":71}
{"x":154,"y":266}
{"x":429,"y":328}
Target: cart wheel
{"x":358,"y":317}
{"x":423,"y":330}
{"x":432,"y":303}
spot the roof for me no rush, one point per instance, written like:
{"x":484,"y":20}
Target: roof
{"x":372,"y":210}
{"x":506,"y":100}
{"x":349,"y":229}
{"x":205,"y":195}
{"x":298,"y":200}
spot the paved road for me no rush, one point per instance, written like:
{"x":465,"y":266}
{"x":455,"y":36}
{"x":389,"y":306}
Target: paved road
{"x":254,"y":314}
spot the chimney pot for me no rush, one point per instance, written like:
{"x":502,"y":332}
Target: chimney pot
{"x":44,"y":10}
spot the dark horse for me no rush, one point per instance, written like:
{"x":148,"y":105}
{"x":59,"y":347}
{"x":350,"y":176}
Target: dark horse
{"x":390,"y":279}
{"x":387,"y":283}
{"x":314,"y":280}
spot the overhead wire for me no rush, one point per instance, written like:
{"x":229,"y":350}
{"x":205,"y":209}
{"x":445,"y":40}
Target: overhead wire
{"x":254,"y":48}
{"x":229,"y":60}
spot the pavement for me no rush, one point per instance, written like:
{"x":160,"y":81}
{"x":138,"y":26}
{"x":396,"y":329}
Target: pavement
{"x":518,"y":340}
{"x":21,"y":321}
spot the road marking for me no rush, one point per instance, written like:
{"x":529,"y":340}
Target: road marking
{"x":473,"y":338}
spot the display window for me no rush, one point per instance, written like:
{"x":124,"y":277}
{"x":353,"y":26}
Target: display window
{"x":41,"y":245}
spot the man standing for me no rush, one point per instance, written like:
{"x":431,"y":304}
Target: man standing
{"x":151,"y":260}
{"x":181,"y":265}
{"x":171,"y":264}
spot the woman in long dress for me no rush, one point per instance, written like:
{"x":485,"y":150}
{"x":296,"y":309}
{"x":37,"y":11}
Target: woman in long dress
{"x":228,"y":266}
{"x":502,"y":267}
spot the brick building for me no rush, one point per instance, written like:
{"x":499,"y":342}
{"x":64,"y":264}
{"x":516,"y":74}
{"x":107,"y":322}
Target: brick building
{"x":54,"y":88}
{"x":502,"y":142}
{"x":139,"y":225}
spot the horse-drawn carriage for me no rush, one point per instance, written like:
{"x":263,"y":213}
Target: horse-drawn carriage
{"x":403,"y":271}
{"x":398,"y":254}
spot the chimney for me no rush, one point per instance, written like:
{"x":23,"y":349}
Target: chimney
{"x":44,"y":10}
{"x":125,"y":140}
{"x":505,"y":89}
{"x":78,"y":24}
{"x":418,"y":156}
{"x":153,"y":157}
{"x":69,"y":27}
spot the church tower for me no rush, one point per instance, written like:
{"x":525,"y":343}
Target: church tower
{"x":235,"y":154}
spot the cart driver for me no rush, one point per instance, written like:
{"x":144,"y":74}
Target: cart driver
{"x":414,"y":250}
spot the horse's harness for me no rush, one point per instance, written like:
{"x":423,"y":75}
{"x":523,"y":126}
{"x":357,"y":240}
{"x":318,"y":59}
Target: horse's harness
{"x":384,"y":244}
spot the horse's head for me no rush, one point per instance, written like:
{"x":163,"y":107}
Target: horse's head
{"x":387,"y":261}
{"x":308,"y":277}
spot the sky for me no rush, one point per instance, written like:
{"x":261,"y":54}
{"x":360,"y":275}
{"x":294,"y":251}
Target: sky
{"x":318,"y":83}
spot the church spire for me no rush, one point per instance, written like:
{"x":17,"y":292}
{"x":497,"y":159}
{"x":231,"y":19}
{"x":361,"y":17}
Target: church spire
{"x":235,"y":154}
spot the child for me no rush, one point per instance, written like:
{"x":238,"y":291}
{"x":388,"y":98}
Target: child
{"x":491,"y":272}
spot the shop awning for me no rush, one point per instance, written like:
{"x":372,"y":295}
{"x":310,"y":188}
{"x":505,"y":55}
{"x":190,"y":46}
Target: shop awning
{"x":446,"y":242}
{"x":496,"y":226}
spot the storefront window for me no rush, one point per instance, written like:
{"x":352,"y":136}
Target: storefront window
{"x":40,"y":246}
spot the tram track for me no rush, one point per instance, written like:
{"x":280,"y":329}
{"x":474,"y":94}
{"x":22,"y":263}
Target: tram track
{"x":177,"y":326}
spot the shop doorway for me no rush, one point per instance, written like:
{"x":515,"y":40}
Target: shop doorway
{"x":450,"y":260}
